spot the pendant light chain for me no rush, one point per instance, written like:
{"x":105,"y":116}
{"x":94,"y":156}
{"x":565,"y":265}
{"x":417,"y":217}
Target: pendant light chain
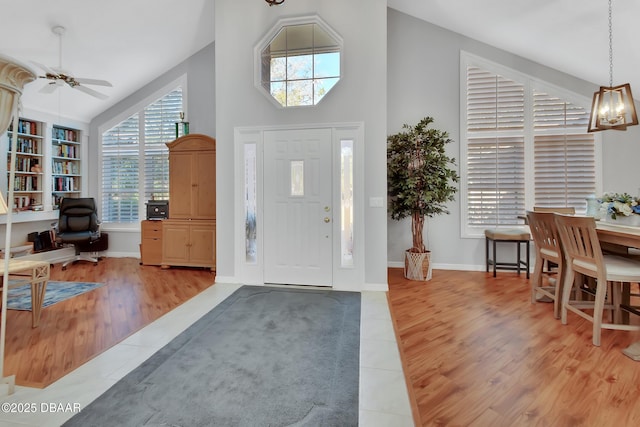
{"x":610,"y":48}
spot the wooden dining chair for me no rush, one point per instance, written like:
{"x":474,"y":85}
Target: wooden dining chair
{"x":548,"y":250}
{"x":556,"y":209}
{"x":584,"y":255}
{"x":565,"y":210}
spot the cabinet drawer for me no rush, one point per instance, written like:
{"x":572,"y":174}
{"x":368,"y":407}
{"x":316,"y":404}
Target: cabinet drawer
{"x":151,"y":251}
{"x":152,"y":229}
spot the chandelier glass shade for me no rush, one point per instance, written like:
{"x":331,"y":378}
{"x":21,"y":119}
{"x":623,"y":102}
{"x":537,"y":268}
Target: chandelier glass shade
{"x":613,"y":106}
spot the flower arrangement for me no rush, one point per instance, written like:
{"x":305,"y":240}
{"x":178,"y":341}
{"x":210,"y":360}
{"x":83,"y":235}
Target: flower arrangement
{"x":615,"y":204}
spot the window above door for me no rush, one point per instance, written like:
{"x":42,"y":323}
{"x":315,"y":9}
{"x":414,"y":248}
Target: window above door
{"x":298,"y":62}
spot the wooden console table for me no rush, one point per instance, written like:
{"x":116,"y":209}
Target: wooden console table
{"x":35,"y":273}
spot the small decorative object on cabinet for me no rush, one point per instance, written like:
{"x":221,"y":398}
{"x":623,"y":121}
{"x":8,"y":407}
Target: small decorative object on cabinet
{"x":65,"y":163}
{"x":29,"y":155}
{"x":189,"y":235}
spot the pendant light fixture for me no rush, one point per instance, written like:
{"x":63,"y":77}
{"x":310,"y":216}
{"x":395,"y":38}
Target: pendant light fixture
{"x":613,"y":106}
{"x":274,"y":2}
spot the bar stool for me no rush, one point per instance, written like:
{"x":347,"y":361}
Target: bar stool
{"x":548,"y":251}
{"x":584,"y":255}
{"x":507,"y":236}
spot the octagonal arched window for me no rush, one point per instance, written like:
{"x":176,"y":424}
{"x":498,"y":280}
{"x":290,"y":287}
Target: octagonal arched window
{"x":298,"y":62}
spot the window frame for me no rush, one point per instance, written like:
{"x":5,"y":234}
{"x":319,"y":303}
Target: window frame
{"x":268,"y":38}
{"x":530,"y":83}
{"x":137,"y":108}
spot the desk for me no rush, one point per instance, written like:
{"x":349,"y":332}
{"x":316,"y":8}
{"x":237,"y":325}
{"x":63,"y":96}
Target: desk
{"x":34,"y":272}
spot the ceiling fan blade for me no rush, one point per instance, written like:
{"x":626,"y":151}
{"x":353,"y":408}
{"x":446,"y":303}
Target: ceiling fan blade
{"x":43,"y":67}
{"x":90,"y":91}
{"x":93,"y":82}
{"x":49,"y":88}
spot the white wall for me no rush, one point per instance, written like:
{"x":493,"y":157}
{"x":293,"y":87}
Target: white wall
{"x":423,"y":79}
{"x":360,"y":96}
{"x":387,"y":80}
{"x":200,"y":109}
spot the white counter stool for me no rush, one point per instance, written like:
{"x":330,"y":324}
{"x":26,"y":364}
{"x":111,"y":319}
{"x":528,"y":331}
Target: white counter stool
{"x":516,"y":236}
{"x":584,"y":256}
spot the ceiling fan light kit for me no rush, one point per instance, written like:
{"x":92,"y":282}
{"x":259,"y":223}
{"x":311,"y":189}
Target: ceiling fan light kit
{"x":613,"y":106}
{"x":60,"y":77}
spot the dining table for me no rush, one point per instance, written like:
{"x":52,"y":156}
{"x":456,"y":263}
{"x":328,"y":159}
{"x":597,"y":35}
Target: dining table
{"x":625,"y":236}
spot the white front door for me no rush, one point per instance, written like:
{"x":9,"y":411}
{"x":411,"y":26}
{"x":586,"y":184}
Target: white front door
{"x":298,"y":215}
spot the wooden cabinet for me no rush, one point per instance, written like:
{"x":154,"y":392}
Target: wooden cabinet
{"x":189,"y":235}
{"x":151,"y":245}
{"x":189,"y":243}
{"x":192,"y":177}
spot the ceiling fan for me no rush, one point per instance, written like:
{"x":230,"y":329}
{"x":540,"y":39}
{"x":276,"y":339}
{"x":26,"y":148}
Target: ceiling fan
{"x":59,"y":76}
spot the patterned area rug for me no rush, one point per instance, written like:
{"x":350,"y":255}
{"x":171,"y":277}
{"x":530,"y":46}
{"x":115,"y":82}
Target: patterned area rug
{"x":19,"y":298}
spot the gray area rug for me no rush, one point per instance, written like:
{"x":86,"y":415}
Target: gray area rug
{"x":265,"y":356}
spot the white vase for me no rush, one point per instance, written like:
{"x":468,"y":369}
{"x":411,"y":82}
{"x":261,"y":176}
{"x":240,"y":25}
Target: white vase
{"x":632,"y":220}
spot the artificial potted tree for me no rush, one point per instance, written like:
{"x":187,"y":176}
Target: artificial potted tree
{"x":420,"y":182}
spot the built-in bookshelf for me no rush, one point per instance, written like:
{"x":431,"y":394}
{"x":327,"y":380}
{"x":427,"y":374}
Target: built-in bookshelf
{"x":65,"y":164}
{"x":28,"y":183}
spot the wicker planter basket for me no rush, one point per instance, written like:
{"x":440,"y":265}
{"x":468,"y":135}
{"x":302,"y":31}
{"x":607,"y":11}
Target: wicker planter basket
{"x":417,"y":265}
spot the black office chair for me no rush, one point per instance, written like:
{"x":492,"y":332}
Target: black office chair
{"x":78,"y":225}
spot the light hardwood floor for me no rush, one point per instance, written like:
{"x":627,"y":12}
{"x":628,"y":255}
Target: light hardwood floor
{"x":74,"y":331}
{"x":476,"y":352}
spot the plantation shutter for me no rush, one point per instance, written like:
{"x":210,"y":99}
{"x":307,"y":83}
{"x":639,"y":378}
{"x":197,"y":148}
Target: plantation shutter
{"x":135,"y":160}
{"x":565,"y":159}
{"x":120,"y":151}
{"x":495,"y":149}
{"x":159,"y":128}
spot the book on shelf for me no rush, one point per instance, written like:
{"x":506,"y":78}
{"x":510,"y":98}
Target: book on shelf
{"x":25,"y":183}
{"x":26,"y":127}
{"x":65,"y":134}
{"x":64,"y":183}
{"x":66,"y":151}
{"x":28,"y":164}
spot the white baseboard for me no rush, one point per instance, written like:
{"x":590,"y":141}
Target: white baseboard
{"x":462,"y":267}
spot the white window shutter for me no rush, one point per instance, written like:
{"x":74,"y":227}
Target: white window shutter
{"x":505,"y":122}
{"x":143,"y":136}
{"x":565,"y":160}
{"x":495,"y":149}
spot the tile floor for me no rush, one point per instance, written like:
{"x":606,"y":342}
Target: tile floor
{"x":383,"y":394}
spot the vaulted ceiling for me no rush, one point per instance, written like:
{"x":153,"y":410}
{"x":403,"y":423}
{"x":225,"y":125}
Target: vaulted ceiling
{"x":129,"y":43}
